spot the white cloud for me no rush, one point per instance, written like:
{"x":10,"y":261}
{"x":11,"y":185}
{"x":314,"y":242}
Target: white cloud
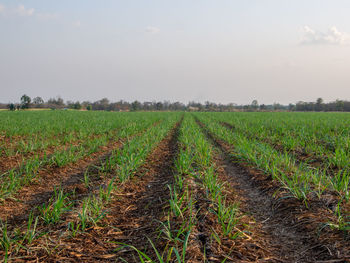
{"x":332,"y":37}
{"x":152,"y":30}
{"x":77,"y":23}
{"x":22,"y":11}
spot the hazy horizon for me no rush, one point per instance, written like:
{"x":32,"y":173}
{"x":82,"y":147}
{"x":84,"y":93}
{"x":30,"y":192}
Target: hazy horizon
{"x":220,"y":51}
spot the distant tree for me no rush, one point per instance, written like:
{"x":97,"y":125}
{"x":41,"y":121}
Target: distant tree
{"x":300,"y":106}
{"x":339,"y":104}
{"x":254,"y":105}
{"x":319,"y":104}
{"x":135,"y":106}
{"x":291,"y":107}
{"x":246,"y":107}
{"x":11,"y":106}
{"x":231,"y":106}
{"x":346,"y":106}
{"x":262,"y":107}
{"x":74,"y":105}
{"x":38,"y":101}
{"x":25,"y":101}
{"x":319,"y":101}
{"x":123,"y":105}
{"x":84,"y":104}
{"x":89,"y":107}
{"x":166,"y":105}
{"x":207,"y":105}
{"x":159,"y":106}
{"x":102,"y":104}
{"x":147,"y":105}
{"x":57,"y":102}
{"x":277,"y":106}
{"x":77,"y":106}
{"x":177,"y":106}
{"x":70,"y":104}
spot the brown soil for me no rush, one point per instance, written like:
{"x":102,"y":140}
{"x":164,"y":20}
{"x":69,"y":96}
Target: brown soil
{"x":201,"y":247}
{"x":16,"y":210}
{"x":289,"y":229}
{"x":15,"y":161}
{"x":277,"y":228}
{"x":132,"y":218}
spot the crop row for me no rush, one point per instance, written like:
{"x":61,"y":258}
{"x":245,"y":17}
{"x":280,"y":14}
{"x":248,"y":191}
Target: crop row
{"x":26,"y":133}
{"x":316,"y":141}
{"x":298,"y":178}
{"x":78,"y":215}
{"x":201,"y":219}
{"x":15,"y":178}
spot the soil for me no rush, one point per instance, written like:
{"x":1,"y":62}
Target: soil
{"x":70,"y":178}
{"x":15,"y":161}
{"x":274,"y":226}
{"x":133,"y":216}
{"x":289,"y":229}
{"x":16,"y":210}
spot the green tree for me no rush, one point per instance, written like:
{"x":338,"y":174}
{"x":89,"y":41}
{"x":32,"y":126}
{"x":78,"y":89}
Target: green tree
{"x":159,"y":106}
{"x":25,"y":101}
{"x":11,"y":106}
{"x":319,"y":104}
{"x":339,"y":105}
{"x":291,"y":107}
{"x":77,"y":106}
{"x":255,"y":105}
{"x":38,"y":101}
{"x":135,"y":106}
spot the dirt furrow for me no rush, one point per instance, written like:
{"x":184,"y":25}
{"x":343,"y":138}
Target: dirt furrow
{"x":288,"y":227}
{"x":16,"y":161}
{"x":16,"y":211}
{"x":133,"y":216}
{"x":70,"y":178}
{"x":328,"y":199}
{"x":200,"y":248}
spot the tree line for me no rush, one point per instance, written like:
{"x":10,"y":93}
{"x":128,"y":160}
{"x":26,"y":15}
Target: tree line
{"x":27,"y":102}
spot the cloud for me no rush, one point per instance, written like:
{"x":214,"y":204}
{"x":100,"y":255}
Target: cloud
{"x":152,"y":30}
{"x":77,"y":23}
{"x":22,"y":11}
{"x":332,"y":37}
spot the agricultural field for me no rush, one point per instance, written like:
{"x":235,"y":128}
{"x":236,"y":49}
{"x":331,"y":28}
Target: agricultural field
{"x":174,"y":187}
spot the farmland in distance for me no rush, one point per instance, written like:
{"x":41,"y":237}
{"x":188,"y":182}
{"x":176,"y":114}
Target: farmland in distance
{"x":174,"y":187}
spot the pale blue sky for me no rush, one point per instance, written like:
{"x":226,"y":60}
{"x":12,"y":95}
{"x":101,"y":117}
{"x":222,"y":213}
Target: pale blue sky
{"x":217,"y":50}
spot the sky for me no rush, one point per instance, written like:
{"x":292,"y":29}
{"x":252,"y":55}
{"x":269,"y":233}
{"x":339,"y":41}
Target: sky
{"x":223,"y":51}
